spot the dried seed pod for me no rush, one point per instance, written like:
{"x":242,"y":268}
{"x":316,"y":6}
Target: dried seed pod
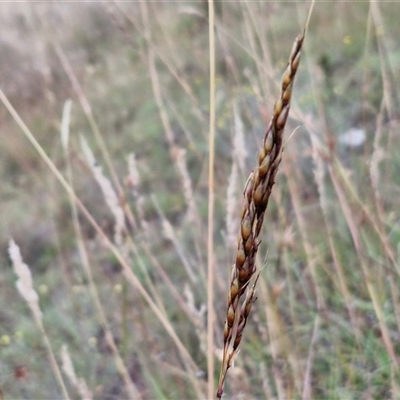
{"x":261,"y":154}
{"x":234,"y":289}
{"x":230,"y":316}
{"x":246,"y":227}
{"x":240,"y":257}
{"x":258,"y":195}
{"x":281,"y":120}
{"x":264,"y":166}
{"x":248,"y":244}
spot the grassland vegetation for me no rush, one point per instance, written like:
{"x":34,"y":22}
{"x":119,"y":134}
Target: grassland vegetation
{"x":104,"y":197}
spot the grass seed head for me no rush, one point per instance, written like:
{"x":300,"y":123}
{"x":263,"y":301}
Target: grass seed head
{"x":255,"y":200}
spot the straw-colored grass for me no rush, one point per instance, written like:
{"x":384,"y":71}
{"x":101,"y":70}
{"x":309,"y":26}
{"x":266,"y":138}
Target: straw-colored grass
{"x":129,"y":225}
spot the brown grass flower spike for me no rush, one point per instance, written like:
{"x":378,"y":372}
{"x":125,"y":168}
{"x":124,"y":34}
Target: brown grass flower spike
{"x":256,"y":195}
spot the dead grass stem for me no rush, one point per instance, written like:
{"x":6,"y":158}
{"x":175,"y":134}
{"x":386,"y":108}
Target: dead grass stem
{"x":319,"y":176}
{"x":131,"y":388}
{"x":211,"y":200}
{"x":25,"y":287}
{"x":367,"y":273}
{"x":127,"y":270}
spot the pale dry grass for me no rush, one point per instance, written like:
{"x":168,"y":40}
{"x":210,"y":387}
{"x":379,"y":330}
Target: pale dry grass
{"x":326,"y":322}
{"x":25,"y":287}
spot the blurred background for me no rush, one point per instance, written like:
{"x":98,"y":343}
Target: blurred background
{"x":326,"y":322}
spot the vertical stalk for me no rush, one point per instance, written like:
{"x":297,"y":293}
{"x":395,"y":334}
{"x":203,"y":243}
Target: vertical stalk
{"x":210,"y":241}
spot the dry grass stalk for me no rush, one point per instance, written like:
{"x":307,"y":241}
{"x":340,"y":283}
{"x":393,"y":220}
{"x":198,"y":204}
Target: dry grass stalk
{"x":110,"y":196}
{"x":368,"y":275}
{"x":25,"y":287}
{"x":79,"y":383}
{"x":211,"y":204}
{"x":307,"y":386}
{"x":256,"y":196}
{"x":239,"y":155}
{"x":318,"y":155}
{"x":127,"y":270}
{"x":85,"y":104}
{"x":133,"y":182}
{"x":131,"y":388}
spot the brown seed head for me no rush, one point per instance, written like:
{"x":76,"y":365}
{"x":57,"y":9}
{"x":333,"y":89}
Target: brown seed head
{"x":255,"y":200}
